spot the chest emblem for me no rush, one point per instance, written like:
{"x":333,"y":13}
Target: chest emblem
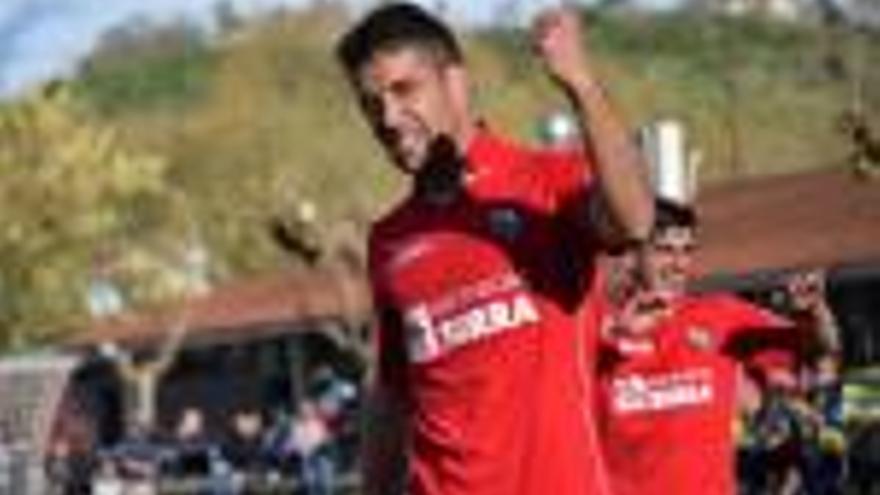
{"x":506,"y":223}
{"x":700,"y":338}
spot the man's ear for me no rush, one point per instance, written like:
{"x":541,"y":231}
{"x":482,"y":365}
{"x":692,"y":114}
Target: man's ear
{"x":459,"y":86}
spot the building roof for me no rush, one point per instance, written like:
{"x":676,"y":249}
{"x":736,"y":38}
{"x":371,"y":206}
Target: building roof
{"x":265,"y":304}
{"x":821,"y":218}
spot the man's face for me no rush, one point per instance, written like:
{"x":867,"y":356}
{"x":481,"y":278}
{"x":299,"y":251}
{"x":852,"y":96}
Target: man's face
{"x":410,"y":98}
{"x":670,"y":260}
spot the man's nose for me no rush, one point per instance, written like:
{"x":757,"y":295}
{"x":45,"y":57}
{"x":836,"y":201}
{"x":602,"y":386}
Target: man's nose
{"x":682,"y":263}
{"x":391,"y":113}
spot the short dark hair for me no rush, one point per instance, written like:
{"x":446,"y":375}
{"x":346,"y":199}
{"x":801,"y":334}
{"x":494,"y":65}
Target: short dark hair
{"x":394,"y":26}
{"x":670,"y":214}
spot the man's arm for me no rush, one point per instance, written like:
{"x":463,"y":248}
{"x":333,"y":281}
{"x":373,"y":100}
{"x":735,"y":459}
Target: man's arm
{"x":811,"y":325}
{"x":384,"y":415}
{"x":625,"y":210}
{"x":827,"y":330}
{"x":383,"y":442}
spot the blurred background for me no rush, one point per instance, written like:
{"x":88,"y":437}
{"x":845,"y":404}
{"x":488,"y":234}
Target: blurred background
{"x":185,"y":189}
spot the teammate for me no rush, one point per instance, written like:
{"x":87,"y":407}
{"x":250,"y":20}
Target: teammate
{"x":668,"y":365}
{"x":479,"y":273}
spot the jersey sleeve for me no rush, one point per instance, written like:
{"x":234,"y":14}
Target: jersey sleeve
{"x":756,"y":336}
{"x":568,"y":178}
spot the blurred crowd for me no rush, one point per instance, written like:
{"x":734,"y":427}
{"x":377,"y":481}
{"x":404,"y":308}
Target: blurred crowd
{"x":790,"y":431}
{"x":308,"y":449}
{"x":863,"y":456}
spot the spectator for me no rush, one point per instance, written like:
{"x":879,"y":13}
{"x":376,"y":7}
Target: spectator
{"x":195,"y":458}
{"x":781,"y":436}
{"x":333,"y":394}
{"x":750,"y":461}
{"x":246,"y":448}
{"x":337,"y":400}
{"x":823,"y":455}
{"x":309,"y":442}
{"x":138,"y":460}
{"x":193,"y":453}
{"x":863,"y":457}
{"x":68,"y":470}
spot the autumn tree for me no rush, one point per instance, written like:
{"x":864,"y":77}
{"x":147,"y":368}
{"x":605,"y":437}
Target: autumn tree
{"x":77,"y":207}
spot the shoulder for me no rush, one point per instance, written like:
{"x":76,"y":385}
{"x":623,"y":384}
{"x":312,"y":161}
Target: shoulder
{"x":555,"y":175}
{"x":387,"y":231}
{"x":519,"y":158}
{"x":732,"y":311}
{"x":394,"y":222}
{"x":566,"y":166}
{"x":556,"y":157}
{"x":715,"y":302}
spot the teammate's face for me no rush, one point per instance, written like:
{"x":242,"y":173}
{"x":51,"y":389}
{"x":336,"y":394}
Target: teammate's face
{"x":410,"y":98}
{"x":670,"y":262}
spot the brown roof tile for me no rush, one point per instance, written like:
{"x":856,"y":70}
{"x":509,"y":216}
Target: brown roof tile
{"x":820,"y":218}
{"x":241,"y":307}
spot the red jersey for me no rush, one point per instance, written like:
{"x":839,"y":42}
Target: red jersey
{"x":667,"y":401}
{"x":485,"y":293}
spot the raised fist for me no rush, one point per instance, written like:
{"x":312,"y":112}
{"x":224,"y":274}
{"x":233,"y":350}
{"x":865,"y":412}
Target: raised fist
{"x":806,"y":290}
{"x":557,"y":37}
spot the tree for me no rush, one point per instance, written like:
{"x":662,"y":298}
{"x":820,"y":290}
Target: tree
{"x":275,"y":132}
{"x":863,"y":12}
{"x":75,"y":205}
{"x":140,"y":63}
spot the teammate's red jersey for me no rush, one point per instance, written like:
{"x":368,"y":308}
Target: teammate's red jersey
{"x":667,"y":400}
{"x":486,"y":291}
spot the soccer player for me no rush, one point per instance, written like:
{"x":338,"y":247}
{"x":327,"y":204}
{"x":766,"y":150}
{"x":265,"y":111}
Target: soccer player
{"x":668,"y":366}
{"x":479,"y":274}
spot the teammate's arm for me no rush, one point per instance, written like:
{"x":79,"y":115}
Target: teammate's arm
{"x":812,"y":325}
{"x":624,"y":208}
{"x":808,"y":299}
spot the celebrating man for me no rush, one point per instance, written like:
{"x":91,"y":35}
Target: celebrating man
{"x":480,"y":275}
{"x":668,"y":364}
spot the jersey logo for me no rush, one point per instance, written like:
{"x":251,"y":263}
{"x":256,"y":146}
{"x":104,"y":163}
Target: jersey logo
{"x":506,"y":223}
{"x":700,"y":338}
{"x":632,"y":347}
{"x":409,"y":252}
{"x":429,"y":338}
{"x":662,"y":391}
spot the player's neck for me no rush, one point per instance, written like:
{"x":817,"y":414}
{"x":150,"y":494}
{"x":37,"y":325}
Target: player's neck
{"x":439,"y":180}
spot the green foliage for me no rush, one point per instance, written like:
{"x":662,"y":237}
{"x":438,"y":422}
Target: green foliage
{"x":69,"y":192}
{"x":274,"y":129}
{"x":142,"y":66}
{"x":756,"y":96}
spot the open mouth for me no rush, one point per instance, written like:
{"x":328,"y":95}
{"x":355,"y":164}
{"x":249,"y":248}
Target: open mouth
{"x":404,"y":147}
